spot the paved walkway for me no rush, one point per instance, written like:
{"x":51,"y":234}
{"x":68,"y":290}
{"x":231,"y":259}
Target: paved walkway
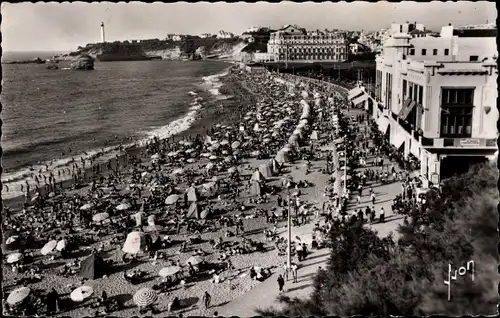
{"x":265,"y":294}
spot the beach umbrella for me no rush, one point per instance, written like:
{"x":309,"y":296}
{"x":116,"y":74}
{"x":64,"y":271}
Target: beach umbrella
{"x":87,"y":206}
{"x":171,"y":199}
{"x":232,"y":170}
{"x":213,"y":157}
{"x":123,"y":206}
{"x":224,"y":142}
{"x":215,"y":145}
{"x":190,"y":150}
{"x":155,"y":156}
{"x":135,"y":243}
{"x":235,"y":144}
{"x":209,"y":166}
{"x":14,"y":258}
{"x":17,"y":296}
{"x":99,"y":217}
{"x":49,"y":247}
{"x":169,"y":271}
{"x":172,"y":154}
{"x":194,"y":260}
{"x":190,"y":160}
{"x":188,"y":143}
{"x":178,"y":171}
{"x":145,"y":297}
{"x":181,"y":142}
{"x":61,"y":245}
{"x":225,"y":152}
{"x":11,"y":239}
{"x":255,"y":153}
{"x":81,"y":293}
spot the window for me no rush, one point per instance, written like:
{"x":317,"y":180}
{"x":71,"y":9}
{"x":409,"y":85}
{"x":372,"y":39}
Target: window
{"x":420,"y":95}
{"x":434,"y":52}
{"x":446,"y":51}
{"x":401,"y":28}
{"x":456,"y":112}
{"x":424,"y":52}
{"x":473,"y":58}
{"x":412,"y":51}
{"x":405,"y":84}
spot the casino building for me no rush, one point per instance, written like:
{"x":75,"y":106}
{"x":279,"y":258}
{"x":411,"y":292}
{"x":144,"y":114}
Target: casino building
{"x":435,"y":98}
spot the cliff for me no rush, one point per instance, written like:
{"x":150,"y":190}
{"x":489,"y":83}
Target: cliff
{"x":83,"y":62}
{"x":191,"y":47}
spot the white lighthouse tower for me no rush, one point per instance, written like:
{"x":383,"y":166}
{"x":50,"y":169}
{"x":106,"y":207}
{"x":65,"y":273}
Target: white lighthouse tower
{"x":103,"y":38}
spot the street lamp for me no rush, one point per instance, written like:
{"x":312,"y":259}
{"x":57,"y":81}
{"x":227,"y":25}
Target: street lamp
{"x":289,"y":245}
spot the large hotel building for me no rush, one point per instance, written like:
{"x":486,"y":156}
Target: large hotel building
{"x":435,"y":98}
{"x":295,"y":44}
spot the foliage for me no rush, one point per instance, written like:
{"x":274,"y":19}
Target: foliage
{"x":370,"y":276}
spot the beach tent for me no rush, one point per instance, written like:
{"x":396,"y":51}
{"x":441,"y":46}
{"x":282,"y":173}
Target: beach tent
{"x":275,"y":166}
{"x":281,"y":156}
{"x":256,"y":188}
{"x":92,"y":267}
{"x":11,"y":241}
{"x":257,"y":176}
{"x":265,"y":170}
{"x":294,"y":141}
{"x":192,"y":194}
{"x":135,"y":243}
{"x":194,"y":211}
{"x":314,"y":135}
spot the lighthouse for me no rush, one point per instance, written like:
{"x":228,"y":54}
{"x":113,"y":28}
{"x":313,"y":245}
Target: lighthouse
{"x":102,"y":33}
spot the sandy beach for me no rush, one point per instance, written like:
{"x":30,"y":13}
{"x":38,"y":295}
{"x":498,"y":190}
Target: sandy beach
{"x":271,"y":112}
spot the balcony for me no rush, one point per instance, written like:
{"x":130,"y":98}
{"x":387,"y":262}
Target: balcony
{"x":459,"y":142}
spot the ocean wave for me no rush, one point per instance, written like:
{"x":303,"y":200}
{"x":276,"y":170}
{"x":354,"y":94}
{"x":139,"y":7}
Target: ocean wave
{"x":19,"y":177}
{"x":212,"y":84}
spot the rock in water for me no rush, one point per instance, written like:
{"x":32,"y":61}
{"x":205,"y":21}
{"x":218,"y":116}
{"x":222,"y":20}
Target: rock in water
{"x":83,"y":62}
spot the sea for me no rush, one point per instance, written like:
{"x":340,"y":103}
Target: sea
{"x":52,"y":117}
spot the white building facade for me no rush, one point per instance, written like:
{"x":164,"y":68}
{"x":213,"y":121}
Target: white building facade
{"x":295,"y":44}
{"x":436,"y":98}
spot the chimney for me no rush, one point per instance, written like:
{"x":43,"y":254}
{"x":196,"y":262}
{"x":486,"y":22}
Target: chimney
{"x":449,"y":24}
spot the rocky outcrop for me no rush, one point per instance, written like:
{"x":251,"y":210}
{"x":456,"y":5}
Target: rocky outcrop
{"x":52,"y":66}
{"x":34,"y":61}
{"x":83,"y":62}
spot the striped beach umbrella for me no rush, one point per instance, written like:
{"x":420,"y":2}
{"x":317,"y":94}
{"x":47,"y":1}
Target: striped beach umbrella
{"x":145,"y":297}
{"x":18,"y":296}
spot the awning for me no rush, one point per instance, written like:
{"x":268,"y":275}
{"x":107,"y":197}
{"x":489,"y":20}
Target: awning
{"x":399,"y":142}
{"x":463,"y":72}
{"x":353,"y":93}
{"x":383,"y":124}
{"x":407,"y":108}
{"x":360,"y":99}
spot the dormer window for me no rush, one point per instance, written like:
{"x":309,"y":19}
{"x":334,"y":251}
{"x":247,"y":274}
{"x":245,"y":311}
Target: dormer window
{"x":473,"y":58}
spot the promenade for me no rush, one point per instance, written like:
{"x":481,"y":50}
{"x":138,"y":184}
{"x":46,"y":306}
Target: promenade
{"x":264,"y":295}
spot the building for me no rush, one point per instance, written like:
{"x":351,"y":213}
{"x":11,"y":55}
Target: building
{"x":295,"y":44}
{"x":259,"y":57}
{"x":224,"y":35}
{"x":435,"y":98}
{"x":175,"y":37}
{"x":354,"y":48}
{"x":247,"y":37}
{"x":206,"y":35}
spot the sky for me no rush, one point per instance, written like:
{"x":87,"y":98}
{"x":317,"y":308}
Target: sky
{"x":65,"y":26}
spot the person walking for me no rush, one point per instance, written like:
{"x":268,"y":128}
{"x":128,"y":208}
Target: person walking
{"x":373,"y":198}
{"x":207,"y":299}
{"x":285,"y":270}
{"x":281,"y":283}
{"x":382,"y":215}
{"x":294,"y":268}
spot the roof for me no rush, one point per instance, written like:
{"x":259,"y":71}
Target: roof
{"x":417,"y":31}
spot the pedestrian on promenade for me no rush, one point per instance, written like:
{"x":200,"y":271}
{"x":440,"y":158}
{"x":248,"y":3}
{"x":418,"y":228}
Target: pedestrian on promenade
{"x":281,"y":283}
{"x":373,"y":198}
{"x":358,"y":199}
{"x":372,"y":215}
{"x":294,"y":268}
{"x":382,"y":215}
{"x":207,"y":299}
{"x":285,"y":271}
